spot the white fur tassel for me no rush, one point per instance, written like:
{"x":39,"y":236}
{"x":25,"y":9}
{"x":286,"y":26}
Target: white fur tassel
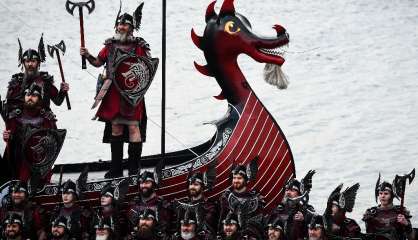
{"x":274,"y":75}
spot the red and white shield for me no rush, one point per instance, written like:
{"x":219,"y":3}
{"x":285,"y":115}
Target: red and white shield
{"x":133,"y":75}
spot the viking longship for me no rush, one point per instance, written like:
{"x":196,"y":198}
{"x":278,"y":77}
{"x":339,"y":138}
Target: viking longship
{"x":248,"y":131}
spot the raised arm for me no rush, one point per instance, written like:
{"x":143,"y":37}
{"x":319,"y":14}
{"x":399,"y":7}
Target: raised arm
{"x":95,"y":61}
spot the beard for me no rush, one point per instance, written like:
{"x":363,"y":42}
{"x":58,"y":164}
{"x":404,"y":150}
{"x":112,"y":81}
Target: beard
{"x":57,"y":234}
{"x":194,"y":193}
{"x":290,"y":202}
{"x":187,"y":235}
{"x":31,"y":72}
{"x":272,"y":236}
{"x":101,"y":237}
{"x":238,"y":186}
{"x":314,"y":238}
{"x":12,"y":234}
{"x":18,"y":201}
{"x":31,"y":105}
{"x":146,"y":192}
{"x":145,"y":232}
{"x":123,"y":37}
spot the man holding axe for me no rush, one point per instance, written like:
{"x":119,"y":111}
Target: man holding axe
{"x":386,"y":219}
{"x":129,"y":73}
{"x":28,"y":100}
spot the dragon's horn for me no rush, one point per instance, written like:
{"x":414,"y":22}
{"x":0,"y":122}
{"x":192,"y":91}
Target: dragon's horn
{"x":210,"y":11}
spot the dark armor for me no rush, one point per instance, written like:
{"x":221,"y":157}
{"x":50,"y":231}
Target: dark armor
{"x":247,"y":206}
{"x":337,"y":224}
{"x":383,"y":222}
{"x":294,"y":230}
{"x":19,"y":83}
{"x":205,"y":211}
{"x":154,"y":234}
{"x":157,"y":204}
{"x":62,"y":222}
{"x":33,"y":217}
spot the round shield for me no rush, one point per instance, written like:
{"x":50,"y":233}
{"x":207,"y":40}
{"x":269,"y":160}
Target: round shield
{"x":41,"y":148}
{"x":133,"y":75}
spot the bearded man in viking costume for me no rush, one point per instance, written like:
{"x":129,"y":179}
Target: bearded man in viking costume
{"x":148,"y":183}
{"x":18,"y":202}
{"x":28,"y":105}
{"x":245,"y":203}
{"x":129,"y":72}
{"x":206,"y":210}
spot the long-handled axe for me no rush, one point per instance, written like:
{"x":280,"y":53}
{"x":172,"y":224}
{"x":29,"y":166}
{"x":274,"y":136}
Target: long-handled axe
{"x":56,"y":49}
{"x":70,"y":6}
{"x":399,"y":184}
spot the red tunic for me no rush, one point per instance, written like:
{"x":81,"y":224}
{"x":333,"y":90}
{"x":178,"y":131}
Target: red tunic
{"x":113,"y":105}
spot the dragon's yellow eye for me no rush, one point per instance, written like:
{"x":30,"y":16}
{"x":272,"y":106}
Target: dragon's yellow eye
{"x":231,"y":28}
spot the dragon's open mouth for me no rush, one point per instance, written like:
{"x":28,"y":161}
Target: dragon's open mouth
{"x":273,"y":55}
{"x":278,"y":52}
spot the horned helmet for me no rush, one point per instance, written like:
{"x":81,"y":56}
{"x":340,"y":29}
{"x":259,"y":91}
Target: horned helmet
{"x":32,"y":54}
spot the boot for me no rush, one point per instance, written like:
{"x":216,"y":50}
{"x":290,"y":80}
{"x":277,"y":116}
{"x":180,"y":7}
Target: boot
{"x":116,"y":168}
{"x":134,"y":157}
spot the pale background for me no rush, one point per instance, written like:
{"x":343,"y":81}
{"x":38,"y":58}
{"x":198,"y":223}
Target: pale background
{"x":350,"y":111}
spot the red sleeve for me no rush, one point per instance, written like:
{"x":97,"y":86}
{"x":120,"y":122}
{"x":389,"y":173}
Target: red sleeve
{"x":104,"y":53}
{"x":140,"y":51}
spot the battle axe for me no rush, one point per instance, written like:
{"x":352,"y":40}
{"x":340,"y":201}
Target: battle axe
{"x":70,"y":6}
{"x":56,"y":49}
{"x":399,"y":184}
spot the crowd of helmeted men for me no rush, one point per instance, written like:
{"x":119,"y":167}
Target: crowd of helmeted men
{"x":238,"y":214}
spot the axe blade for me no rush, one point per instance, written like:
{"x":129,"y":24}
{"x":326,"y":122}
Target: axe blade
{"x":61,"y":46}
{"x":90,"y":5}
{"x":411,"y":176}
{"x":70,"y":6}
{"x":51,"y":50}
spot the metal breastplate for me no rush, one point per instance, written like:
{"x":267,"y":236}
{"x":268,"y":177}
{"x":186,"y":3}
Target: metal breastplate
{"x":33,"y":121}
{"x":195,"y":208}
{"x":245,"y":205}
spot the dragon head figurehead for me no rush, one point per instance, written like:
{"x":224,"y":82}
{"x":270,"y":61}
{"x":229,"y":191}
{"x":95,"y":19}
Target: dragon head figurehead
{"x":227,"y":35}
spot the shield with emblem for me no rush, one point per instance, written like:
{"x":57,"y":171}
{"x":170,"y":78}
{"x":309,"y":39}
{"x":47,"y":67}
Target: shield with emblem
{"x":132,"y":75}
{"x":40,"y":148}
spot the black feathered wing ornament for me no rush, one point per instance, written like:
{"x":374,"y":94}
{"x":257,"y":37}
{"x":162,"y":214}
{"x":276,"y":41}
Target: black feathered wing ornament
{"x":210,"y":175}
{"x":117,"y":16}
{"x":306,"y":182}
{"x":348,"y":197}
{"x":41,"y":48}
{"x":81,"y":182}
{"x":20,"y":54}
{"x":333,"y":194}
{"x":328,"y":211}
{"x":138,"y":16}
{"x":376,"y":189}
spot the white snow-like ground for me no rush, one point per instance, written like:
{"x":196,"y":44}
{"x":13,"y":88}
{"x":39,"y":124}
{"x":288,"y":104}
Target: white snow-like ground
{"x":351,"y":109}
